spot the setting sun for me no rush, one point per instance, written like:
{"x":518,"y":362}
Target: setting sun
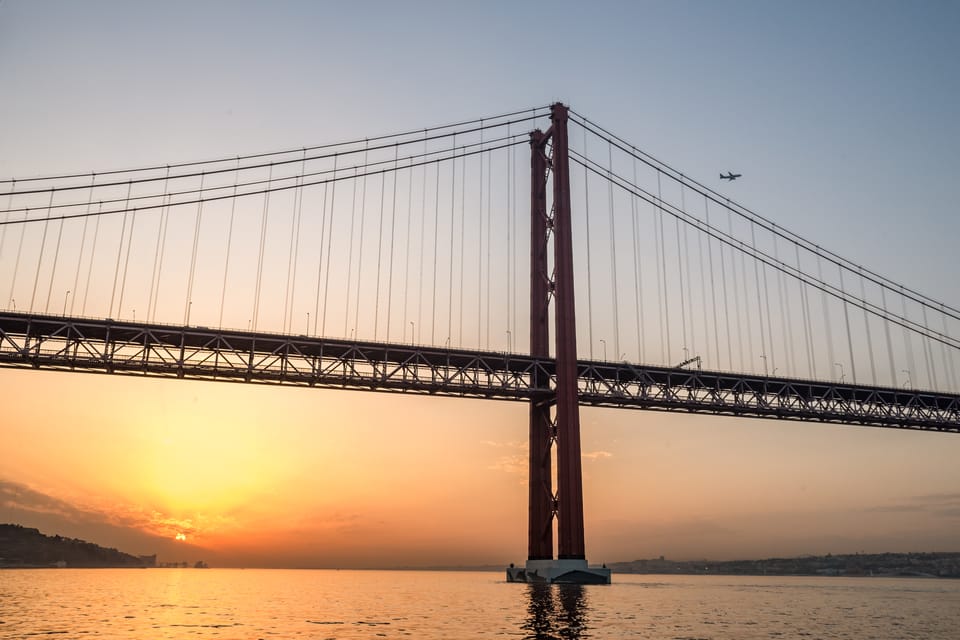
{"x":180,"y":536}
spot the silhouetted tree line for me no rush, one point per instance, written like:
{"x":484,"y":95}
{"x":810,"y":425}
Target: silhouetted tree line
{"x":22,"y":546}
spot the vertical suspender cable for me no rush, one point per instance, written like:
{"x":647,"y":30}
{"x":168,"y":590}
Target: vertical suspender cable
{"x":6,"y":218}
{"x":846,"y":319}
{"x":713,"y":288}
{"x":826,"y":315}
{"x":93,"y":253}
{"x":6,"y":214}
{"x":393,"y":229}
{"x":943,"y":356}
{"x":508,"y":211}
{"x":886,"y":332}
{"x":866,"y":322}
{"x":453,"y":198}
{"x":294,"y":228}
{"x":756,"y":277}
{"x":684,"y":349}
{"x":193,"y":255}
{"x":406,"y":262}
{"x":420,"y":250}
{"x":333,"y":204}
{"x":586,"y":217}
{"x":747,"y":311}
{"x":489,"y":236}
{"x":637,"y":274}
{"x":736,"y":289}
{"x":436,"y":217}
{"x":83,"y":244}
{"x":661,"y":277}
{"x":226,"y":261}
{"x":908,"y":342}
{"x":363,"y":206}
{"x":43,"y":242}
{"x":353,"y":220}
{"x":263,"y":240}
{"x":948,"y":354}
{"x":376,"y":297}
{"x":320,"y":257}
{"x":927,"y":350}
{"x":126,"y":259}
{"x":785,"y":311}
{"x":686,"y":270}
{"x":766,"y":303}
{"x":463,"y":238}
{"x":156,"y":249}
{"x":613,"y":254}
{"x":298,"y":214}
{"x":516,"y":239}
{"x":165,"y":223}
{"x":56,"y":260}
{"x":116,"y":270}
{"x":16,"y":263}
{"x":703,"y":299}
{"x":480,"y":245}
{"x":807,"y":337}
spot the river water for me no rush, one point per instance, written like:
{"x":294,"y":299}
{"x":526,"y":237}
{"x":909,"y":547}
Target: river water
{"x":234,"y":603}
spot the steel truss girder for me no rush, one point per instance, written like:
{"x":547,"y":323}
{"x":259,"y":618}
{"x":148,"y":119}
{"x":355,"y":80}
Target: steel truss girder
{"x":670,"y":389}
{"x":107,"y":346}
{"x":200,"y":353}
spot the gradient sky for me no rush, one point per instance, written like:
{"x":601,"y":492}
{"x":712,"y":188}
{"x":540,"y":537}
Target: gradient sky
{"x":841,"y":116}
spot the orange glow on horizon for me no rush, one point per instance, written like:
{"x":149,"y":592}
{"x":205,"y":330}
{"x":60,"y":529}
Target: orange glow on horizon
{"x":265,"y":476}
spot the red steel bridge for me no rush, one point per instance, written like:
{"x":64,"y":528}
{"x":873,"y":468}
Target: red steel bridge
{"x":415,"y":262}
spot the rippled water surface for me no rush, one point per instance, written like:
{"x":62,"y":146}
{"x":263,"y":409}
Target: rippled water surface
{"x":233,"y":603}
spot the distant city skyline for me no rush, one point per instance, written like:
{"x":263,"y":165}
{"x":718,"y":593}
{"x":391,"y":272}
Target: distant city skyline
{"x":841,"y":119}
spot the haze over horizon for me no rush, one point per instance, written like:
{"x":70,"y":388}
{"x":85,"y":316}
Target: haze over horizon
{"x":841,"y":118}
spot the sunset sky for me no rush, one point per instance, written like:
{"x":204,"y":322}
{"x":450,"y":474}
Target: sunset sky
{"x":841,"y":116}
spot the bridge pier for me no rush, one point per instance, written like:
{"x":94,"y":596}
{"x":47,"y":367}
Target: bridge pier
{"x":570,"y":565}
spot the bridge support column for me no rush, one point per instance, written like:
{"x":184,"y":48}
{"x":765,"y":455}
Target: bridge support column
{"x":541,"y":505}
{"x":570,"y":566}
{"x":569,"y":476}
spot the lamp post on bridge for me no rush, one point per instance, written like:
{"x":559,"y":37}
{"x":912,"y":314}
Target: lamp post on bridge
{"x":908,"y":383}
{"x":604,"y":343}
{"x":841,"y":371}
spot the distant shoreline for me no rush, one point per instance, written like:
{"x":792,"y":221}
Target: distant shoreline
{"x":499,"y":570}
{"x":896,"y":565}
{"x":27,"y":548}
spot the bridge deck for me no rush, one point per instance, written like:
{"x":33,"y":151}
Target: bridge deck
{"x":201,"y":353}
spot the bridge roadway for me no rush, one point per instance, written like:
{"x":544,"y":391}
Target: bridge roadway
{"x":202,"y":353}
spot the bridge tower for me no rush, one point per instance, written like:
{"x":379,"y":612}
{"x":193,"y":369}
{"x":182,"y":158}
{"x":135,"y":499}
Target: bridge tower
{"x":554,"y":416}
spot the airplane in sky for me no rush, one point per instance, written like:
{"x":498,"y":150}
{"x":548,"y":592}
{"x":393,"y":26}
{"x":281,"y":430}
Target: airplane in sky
{"x":731,"y":176}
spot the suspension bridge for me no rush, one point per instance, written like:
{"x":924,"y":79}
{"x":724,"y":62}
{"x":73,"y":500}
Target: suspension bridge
{"x":435,"y":261}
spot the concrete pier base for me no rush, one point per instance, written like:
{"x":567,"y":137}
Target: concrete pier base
{"x":559,"y":572}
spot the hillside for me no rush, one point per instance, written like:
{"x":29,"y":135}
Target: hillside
{"x":25,"y":547}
